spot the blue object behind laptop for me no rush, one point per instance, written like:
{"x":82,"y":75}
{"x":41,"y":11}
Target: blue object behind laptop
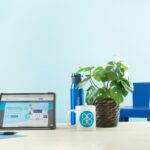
{"x":140,"y":109}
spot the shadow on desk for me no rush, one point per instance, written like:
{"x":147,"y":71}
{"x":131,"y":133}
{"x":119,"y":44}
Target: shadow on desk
{"x":11,"y":136}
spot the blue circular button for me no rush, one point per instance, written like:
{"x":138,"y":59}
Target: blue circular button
{"x":27,"y":116}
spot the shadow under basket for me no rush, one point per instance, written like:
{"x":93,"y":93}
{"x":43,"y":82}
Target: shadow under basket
{"x":107,"y":113}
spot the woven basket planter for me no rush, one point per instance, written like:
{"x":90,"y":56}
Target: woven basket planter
{"x":107,"y":113}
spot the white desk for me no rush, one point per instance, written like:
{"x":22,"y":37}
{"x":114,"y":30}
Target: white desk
{"x":127,"y":136}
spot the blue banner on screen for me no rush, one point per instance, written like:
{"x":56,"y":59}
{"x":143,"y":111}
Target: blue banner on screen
{"x":25,"y":114}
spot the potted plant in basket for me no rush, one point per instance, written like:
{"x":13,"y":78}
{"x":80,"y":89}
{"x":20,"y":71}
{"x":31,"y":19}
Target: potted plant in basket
{"x":108,"y":86}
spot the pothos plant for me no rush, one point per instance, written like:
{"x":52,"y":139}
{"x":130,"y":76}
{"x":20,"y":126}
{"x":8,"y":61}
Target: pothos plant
{"x":109,"y":82}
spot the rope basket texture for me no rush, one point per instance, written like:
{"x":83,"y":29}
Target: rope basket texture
{"x":107,"y":113}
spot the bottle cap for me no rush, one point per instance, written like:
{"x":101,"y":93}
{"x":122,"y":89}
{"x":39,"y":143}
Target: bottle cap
{"x":76,"y":75}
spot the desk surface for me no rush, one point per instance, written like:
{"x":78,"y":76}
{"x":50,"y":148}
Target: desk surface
{"x":127,"y":136}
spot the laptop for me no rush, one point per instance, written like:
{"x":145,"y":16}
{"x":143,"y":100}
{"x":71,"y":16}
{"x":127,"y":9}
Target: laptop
{"x":27,"y":111}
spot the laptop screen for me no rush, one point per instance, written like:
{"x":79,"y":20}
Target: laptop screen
{"x":26,"y":111}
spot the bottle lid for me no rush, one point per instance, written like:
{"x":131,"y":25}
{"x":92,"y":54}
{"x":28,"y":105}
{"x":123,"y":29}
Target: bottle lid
{"x":76,"y":75}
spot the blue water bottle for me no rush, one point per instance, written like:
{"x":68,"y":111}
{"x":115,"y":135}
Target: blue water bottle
{"x":77,"y":95}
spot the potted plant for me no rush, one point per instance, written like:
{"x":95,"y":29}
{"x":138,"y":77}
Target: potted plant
{"x":108,"y":86}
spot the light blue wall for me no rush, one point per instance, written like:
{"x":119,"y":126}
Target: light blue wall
{"x":43,"y":41}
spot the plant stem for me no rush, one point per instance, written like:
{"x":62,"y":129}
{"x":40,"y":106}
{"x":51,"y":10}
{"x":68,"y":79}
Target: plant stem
{"x":92,"y":82}
{"x":104,"y":84}
{"x":107,"y":87}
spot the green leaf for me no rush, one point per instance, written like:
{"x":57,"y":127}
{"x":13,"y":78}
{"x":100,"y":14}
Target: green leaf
{"x":91,"y":95}
{"x":104,"y":93}
{"x":122,"y":65}
{"x":88,"y":76}
{"x":111,"y":73}
{"x":116,"y":95}
{"x":83,"y":83}
{"x":113,"y":83}
{"x":109,"y":68}
{"x":98,"y":70}
{"x":120,"y":72}
{"x":112,"y":76}
{"x":104,"y":78}
{"x":126,"y":85}
{"x":118,"y":85}
{"x":85,"y":69}
{"x":124,"y":92}
{"x":111,"y":63}
{"x":98,"y":73}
